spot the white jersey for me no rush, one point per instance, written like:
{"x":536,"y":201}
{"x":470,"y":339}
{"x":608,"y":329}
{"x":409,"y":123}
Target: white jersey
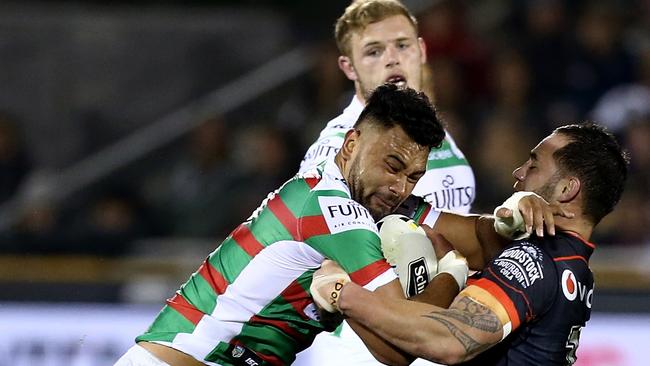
{"x":448,"y":184}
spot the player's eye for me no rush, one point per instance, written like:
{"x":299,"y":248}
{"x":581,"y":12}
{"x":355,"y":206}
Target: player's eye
{"x":392,"y":168}
{"x":414,"y":179}
{"x":373,"y":52}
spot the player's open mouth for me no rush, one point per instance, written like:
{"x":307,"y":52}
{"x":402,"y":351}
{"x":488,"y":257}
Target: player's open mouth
{"x":398,"y":80}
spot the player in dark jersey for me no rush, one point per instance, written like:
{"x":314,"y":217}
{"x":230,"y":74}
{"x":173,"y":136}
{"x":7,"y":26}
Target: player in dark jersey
{"x":528,"y":305}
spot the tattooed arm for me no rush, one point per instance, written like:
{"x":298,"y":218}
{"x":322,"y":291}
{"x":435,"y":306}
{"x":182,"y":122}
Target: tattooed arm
{"x":473,"y":323}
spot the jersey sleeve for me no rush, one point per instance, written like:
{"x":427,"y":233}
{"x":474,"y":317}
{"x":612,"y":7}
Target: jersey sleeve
{"x":345,"y":232}
{"x":418,"y":209}
{"x":523,"y":279}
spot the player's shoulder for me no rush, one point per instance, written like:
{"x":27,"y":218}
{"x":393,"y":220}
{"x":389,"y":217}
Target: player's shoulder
{"x":335,"y":128}
{"x":524,"y":262}
{"x":344,"y":121}
{"x":530,"y":249}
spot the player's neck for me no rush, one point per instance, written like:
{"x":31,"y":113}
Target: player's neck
{"x":359,"y":95}
{"x":341,"y":163}
{"x":578,"y":225}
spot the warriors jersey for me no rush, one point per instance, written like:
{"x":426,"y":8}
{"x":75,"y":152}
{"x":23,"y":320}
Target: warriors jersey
{"x":447,"y":184}
{"x":252,"y":293}
{"x":546,"y":287}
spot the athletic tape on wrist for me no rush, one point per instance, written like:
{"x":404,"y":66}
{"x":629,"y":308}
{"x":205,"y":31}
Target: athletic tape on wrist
{"x":511,"y":227}
{"x":331,"y":303}
{"x":454,"y":264}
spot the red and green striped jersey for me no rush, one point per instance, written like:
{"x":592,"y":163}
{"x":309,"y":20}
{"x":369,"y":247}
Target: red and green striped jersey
{"x":253,"y":290}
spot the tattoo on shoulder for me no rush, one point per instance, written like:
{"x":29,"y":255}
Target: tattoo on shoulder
{"x":471,"y":314}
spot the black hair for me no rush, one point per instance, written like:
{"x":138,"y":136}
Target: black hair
{"x":390,"y":106}
{"x":596,"y":158}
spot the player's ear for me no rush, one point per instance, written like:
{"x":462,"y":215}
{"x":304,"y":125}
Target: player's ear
{"x":345,"y":64}
{"x":423,"y":50}
{"x":349,"y":144}
{"x":568,"y":189}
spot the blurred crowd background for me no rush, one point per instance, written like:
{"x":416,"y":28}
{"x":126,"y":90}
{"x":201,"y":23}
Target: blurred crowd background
{"x":152,"y":128}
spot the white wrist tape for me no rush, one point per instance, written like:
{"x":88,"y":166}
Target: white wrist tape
{"x":456,"y":265}
{"x":511,"y":227}
{"x":320,"y":283}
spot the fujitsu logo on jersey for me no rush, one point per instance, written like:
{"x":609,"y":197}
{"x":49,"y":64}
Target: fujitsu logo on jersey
{"x":353,"y":210}
{"x":342,"y":214}
{"x":574,"y":289}
{"x":450,"y":197}
{"x":323,"y":149}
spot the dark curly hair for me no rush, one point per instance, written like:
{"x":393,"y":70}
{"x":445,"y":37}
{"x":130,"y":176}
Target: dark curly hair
{"x":390,"y":106}
{"x":596,"y":158}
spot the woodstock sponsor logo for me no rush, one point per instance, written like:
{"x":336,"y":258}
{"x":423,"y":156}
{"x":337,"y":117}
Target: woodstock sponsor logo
{"x":522,"y":264}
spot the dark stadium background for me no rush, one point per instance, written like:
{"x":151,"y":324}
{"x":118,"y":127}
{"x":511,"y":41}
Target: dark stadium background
{"x":134,"y":135}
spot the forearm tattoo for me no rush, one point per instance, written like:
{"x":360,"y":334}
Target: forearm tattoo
{"x":471,"y":314}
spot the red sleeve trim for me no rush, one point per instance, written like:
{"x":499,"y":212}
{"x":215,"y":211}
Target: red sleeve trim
{"x":571,"y":257}
{"x":582,"y":240}
{"x":427,"y":209}
{"x":503,"y":298}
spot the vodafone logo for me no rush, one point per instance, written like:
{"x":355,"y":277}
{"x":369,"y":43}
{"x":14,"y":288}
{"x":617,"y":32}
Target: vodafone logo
{"x":573,"y":289}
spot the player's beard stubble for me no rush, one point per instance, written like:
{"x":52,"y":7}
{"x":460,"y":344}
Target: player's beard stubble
{"x":546,"y":191}
{"x":359,"y":194}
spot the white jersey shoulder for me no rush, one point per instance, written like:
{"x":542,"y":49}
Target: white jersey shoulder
{"x":331,"y":137}
{"x":449,"y":182}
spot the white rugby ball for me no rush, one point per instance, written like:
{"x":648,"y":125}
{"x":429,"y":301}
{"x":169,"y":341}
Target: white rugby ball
{"x":391,"y":228}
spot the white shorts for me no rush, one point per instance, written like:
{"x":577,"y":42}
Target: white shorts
{"x":138,"y":356}
{"x":349,"y":351}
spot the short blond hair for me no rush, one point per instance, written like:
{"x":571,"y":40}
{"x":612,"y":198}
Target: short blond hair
{"x":361,"y":13}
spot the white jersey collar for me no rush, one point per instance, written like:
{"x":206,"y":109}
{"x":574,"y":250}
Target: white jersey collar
{"x":353,"y":110}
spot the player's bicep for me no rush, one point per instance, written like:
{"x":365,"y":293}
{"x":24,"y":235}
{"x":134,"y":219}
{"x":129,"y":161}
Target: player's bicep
{"x":491,"y":314}
{"x":474,"y":322}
